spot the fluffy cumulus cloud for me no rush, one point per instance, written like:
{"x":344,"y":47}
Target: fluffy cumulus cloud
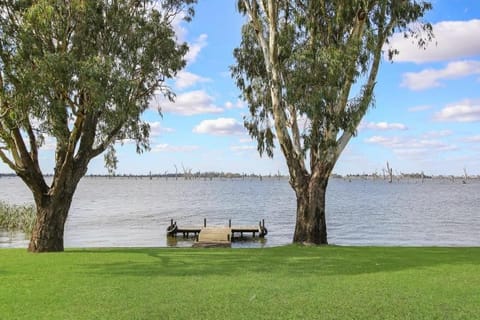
{"x":431,"y":78}
{"x":195,"y":48}
{"x":178,"y":24}
{"x":453,"y":40}
{"x":382,"y":126}
{"x":188,"y":104}
{"x":185,"y":79}
{"x":165,"y":147}
{"x":408,"y":146}
{"x":464,"y":111}
{"x":220,"y":127}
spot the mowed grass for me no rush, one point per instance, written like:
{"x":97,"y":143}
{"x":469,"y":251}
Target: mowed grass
{"x":273,"y":283}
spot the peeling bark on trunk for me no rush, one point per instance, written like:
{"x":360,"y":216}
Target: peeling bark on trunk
{"x":311,"y":227}
{"x":52,"y":212}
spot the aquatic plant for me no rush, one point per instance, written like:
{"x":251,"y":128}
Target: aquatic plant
{"x":17,"y":217}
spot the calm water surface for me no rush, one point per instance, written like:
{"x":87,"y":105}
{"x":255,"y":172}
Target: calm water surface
{"x":128,"y":212}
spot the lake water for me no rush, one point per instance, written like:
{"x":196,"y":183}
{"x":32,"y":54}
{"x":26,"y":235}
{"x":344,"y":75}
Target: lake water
{"x":135,"y":212}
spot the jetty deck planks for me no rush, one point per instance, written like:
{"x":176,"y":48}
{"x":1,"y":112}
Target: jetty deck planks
{"x":216,"y":235}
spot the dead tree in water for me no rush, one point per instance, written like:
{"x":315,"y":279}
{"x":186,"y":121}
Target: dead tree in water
{"x":187,"y":173}
{"x":390,"y":173}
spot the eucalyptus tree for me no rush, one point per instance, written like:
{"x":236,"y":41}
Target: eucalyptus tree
{"x":307,"y":69}
{"x":79,"y":73}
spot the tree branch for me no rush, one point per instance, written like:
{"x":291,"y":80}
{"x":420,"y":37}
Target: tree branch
{"x":33,"y":145}
{"x":356,"y":35}
{"x":368,"y":91}
{"x":295,"y":129}
{"x":7,"y":161}
{"x":259,"y":31}
{"x":107,"y":141}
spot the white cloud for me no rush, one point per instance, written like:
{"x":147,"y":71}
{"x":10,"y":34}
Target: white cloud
{"x":169,"y":148}
{"x":474,"y":139}
{"x":464,"y":111}
{"x":181,"y":33}
{"x":382,"y":126}
{"x":220,"y":126}
{"x":242,"y":148}
{"x":238,"y":105}
{"x":185,"y":79}
{"x":408,"y":146}
{"x":431,"y":78}
{"x":190,"y":103}
{"x":156,"y":129}
{"x":419,"y":108}
{"x":195,"y":48}
{"x":179,"y":27}
{"x":453,"y":40}
{"x":437,"y":134}
{"x":245,"y":140}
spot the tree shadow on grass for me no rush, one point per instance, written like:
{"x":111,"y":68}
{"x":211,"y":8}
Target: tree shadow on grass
{"x":289,"y":260}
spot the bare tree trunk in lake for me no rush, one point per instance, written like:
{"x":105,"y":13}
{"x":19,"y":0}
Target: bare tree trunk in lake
{"x":390,"y":173}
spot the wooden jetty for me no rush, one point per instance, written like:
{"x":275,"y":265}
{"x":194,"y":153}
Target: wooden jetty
{"x":216,"y":235}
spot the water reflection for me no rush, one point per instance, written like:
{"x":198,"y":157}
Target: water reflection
{"x":10,"y":239}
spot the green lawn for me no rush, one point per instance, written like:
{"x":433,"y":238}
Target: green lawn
{"x":275,"y":283}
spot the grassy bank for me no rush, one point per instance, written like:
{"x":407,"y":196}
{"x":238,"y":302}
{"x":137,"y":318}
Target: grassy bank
{"x":276,"y":283}
{"x":17,"y":217}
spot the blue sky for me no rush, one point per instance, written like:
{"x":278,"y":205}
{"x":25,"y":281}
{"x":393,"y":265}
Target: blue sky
{"x":426,"y":116}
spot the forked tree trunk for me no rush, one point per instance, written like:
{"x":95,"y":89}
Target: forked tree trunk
{"x":311,"y":227}
{"x":52,"y":212}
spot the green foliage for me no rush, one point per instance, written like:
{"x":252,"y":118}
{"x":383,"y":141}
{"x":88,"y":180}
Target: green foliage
{"x":320,"y":51}
{"x":17,"y":217}
{"x":275,"y":283}
{"x":84,"y":71}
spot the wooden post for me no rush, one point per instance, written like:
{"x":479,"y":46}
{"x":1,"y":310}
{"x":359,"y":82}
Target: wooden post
{"x":204,"y":222}
{"x":229,"y":223}
{"x":171,"y":222}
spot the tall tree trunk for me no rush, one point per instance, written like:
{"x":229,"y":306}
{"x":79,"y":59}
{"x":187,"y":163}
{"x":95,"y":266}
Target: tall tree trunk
{"x":52,"y":212}
{"x":311,"y":227}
